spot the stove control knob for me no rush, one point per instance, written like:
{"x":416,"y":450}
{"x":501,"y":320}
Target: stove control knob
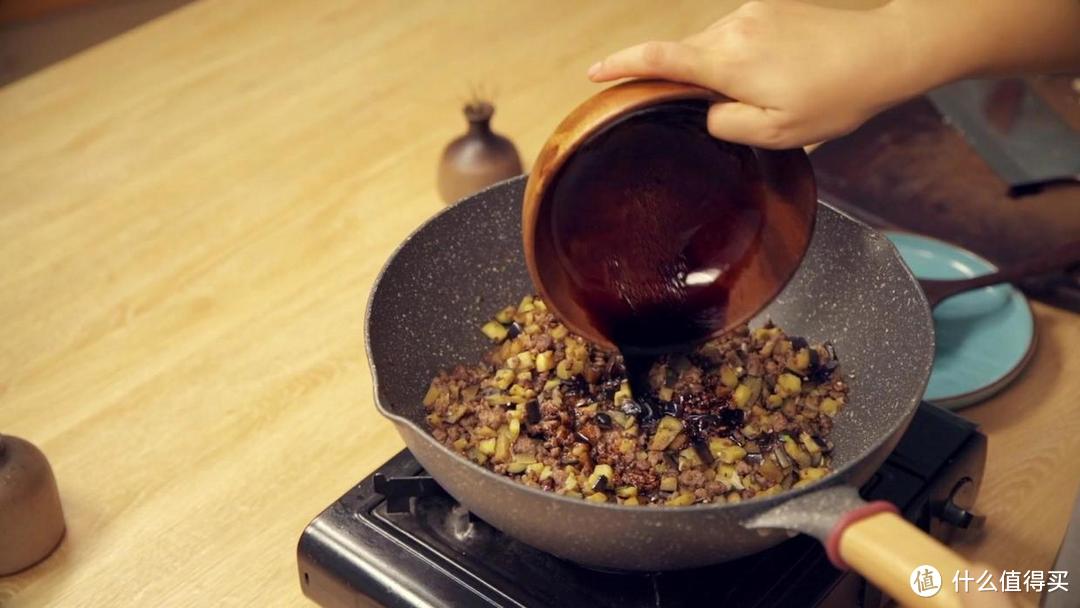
{"x":956,"y":509}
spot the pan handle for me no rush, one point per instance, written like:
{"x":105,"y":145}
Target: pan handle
{"x":892,"y":553}
{"x":875,"y":541}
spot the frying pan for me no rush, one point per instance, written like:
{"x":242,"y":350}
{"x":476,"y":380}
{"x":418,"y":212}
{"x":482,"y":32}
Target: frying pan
{"x":448,"y":277}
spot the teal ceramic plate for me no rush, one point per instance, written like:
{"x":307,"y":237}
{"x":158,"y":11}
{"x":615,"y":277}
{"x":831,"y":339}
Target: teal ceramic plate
{"x":984,"y":337}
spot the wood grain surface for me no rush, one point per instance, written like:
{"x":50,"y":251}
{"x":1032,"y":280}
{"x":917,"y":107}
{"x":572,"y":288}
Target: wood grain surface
{"x":191,"y":216}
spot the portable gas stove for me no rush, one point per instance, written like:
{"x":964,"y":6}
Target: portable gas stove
{"x":397,"y":539}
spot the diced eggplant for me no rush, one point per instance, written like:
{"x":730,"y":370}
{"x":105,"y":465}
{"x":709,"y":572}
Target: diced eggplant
{"x":789,"y":384}
{"x":681,"y":499}
{"x":504,"y":378}
{"x":456,"y":412}
{"x":499,"y":399}
{"x":726,"y":473}
{"x":770,"y":470}
{"x":432,"y":394}
{"x":768,"y":348}
{"x":571,"y":483}
{"x":666,"y":431}
{"x":741,"y":396}
{"x":726,"y":450}
{"x":770,"y":491}
{"x":502,"y":446}
{"x":544,"y":361}
{"x":563,"y":369}
{"x":728,"y":376}
{"x":781,"y":457}
{"x":495,"y":331}
{"x":808,"y":442}
{"x":797,"y":454}
{"x":506,"y":315}
{"x":580,"y":450}
{"x":601,"y":477}
{"x":526,"y":361}
{"x":584,"y":408}
{"x":689,"y":458}
{"x":669,"y":484}
{"x":762,"y":334}
{"x":830,"y":406}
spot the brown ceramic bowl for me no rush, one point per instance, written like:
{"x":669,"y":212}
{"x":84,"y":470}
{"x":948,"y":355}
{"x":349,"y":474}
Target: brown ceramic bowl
{"x":789,"y":209}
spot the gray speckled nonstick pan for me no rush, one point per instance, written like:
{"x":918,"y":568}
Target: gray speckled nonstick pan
{"x":450,"y":275}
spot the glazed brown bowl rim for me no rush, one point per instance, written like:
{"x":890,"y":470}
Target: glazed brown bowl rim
{"x":642,"y":94}
{"x":665,"y":92}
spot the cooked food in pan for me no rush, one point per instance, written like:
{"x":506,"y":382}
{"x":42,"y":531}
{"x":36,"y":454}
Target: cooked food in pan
{"x":747,"y":414}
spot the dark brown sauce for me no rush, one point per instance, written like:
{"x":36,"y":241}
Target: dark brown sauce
{"x":654,"y":220}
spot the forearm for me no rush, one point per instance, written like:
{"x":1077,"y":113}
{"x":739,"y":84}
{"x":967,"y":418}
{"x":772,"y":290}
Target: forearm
{"x":952,"y":39}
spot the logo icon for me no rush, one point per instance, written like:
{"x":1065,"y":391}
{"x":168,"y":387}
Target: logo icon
{"x":925,"y":581}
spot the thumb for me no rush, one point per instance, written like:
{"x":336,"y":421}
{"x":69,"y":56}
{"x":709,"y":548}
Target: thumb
{"x":666,"y":60}
{"x":747,"y":124}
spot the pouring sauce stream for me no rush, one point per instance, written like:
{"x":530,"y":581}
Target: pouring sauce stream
{"x":653,"y":222}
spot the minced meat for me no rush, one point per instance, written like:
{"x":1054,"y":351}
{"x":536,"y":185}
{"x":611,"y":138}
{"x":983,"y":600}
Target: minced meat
{"x":746,"y":414}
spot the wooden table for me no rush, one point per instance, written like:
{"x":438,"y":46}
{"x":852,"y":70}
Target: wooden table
{"x":191,"y":216}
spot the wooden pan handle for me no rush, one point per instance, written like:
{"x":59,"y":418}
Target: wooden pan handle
{"x":886,"y":549}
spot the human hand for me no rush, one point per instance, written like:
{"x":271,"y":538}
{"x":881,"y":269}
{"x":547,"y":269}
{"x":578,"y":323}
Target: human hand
{"x":795,"y":73}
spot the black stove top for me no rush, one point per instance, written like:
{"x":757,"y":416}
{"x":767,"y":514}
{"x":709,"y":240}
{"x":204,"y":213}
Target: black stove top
{"x":396,"y":539}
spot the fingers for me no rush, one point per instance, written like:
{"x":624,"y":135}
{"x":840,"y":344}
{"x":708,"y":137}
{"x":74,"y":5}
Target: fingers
{"x":667,"y":60}
{"x":746,"y":124}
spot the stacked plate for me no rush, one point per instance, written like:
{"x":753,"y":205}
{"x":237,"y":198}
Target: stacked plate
{"x":984,"y":337}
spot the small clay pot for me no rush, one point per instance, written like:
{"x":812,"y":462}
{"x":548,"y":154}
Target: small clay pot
{"x":31,"y":519}
{"x":477,"y":159}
